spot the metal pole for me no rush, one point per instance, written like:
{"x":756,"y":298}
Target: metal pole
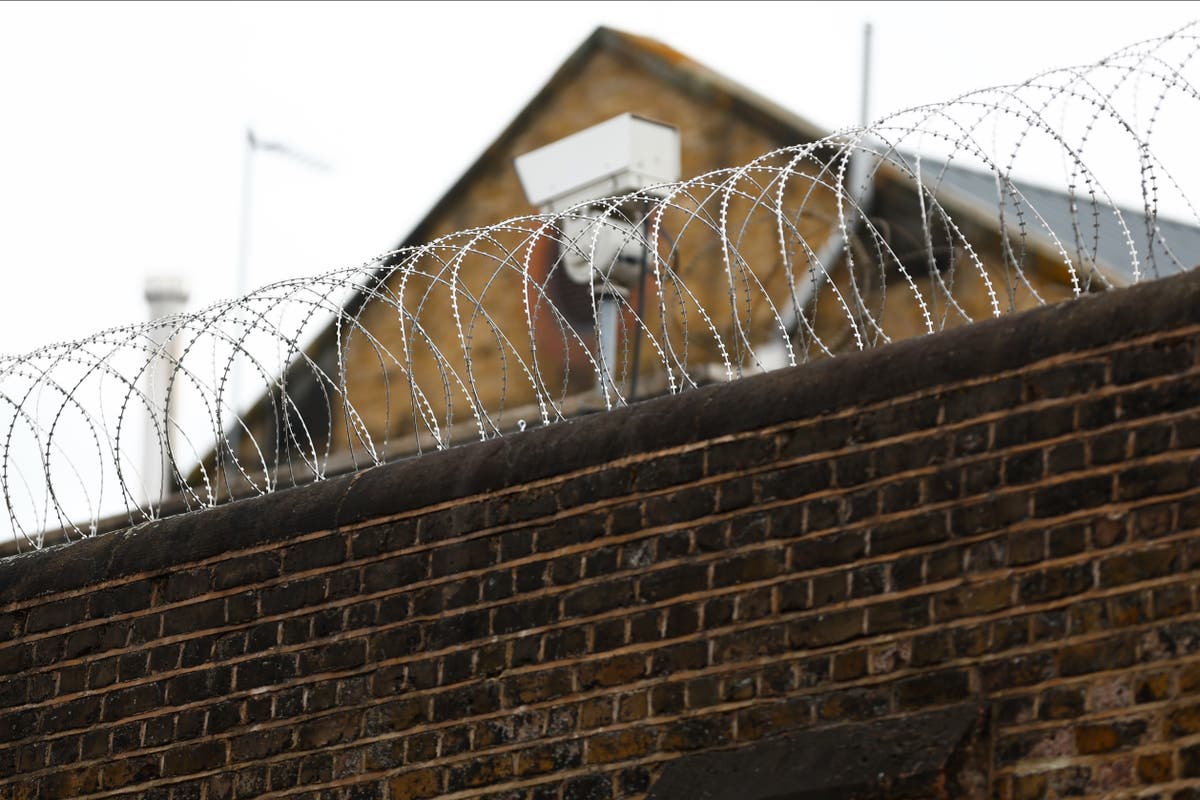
{"x":247,"y":197}
{"x":607,"y":311}
{"x":241,"y":279}
{"x":253,"y":146}
{"x":864,"y":115}
{"x":859,"y":164}
{"x":773,"y":355}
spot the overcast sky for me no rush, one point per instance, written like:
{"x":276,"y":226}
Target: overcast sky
{"x":121,"y":148}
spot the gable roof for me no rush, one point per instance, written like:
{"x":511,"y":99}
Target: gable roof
{"x":659,"y":60}
{"x":1176,"y":246}
{"x":960,"y":189}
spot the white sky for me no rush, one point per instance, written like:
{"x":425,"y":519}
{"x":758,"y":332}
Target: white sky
{"x":121,"y":147}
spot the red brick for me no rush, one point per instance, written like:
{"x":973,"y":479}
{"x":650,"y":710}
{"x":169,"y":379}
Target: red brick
{"x":1155,"y":767}
{"x":416,"y":784}
{"x":619,"y":746}
{"x":1182,"y":722}
{"x":595,"y":712}
{"x":612,"y":671}
{"x":972,"y":600}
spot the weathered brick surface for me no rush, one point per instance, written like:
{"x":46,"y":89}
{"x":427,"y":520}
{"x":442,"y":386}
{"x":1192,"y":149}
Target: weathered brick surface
{"x":561,"y":614}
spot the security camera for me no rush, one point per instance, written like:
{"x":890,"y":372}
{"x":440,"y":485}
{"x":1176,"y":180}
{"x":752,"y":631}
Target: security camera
{"x":620,"y":155}
{"x":581,"y":178}
{"x":603,"y":246}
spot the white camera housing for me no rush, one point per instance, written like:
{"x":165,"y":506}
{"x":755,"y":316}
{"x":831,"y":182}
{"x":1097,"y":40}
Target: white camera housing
{"x":624,"y":154}
{"x":620,"y":155}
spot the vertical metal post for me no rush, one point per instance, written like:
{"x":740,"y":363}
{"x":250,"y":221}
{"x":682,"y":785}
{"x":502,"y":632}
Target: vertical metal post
{"x":774,"y":354}
{"x":859,"y":163}
{"x":254,"y":145}
{"x":241,"y":279}
{"x":243,"y":264}
{"x":607,"y":310}
{"x":864,"y":112}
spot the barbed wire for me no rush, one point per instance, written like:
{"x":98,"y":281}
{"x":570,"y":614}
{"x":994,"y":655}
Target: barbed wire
{"x":908,"y":226}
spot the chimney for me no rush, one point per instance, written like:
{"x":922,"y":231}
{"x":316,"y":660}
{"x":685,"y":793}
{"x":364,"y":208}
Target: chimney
{"x":166,"y":295}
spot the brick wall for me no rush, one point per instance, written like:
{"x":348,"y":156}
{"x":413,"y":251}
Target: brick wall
{"x":1002,"y":516}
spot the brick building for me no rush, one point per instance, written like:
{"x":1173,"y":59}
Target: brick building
{"x":722,"y":124}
